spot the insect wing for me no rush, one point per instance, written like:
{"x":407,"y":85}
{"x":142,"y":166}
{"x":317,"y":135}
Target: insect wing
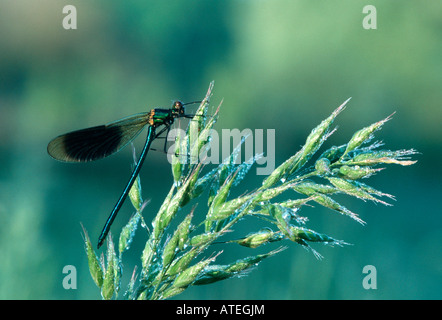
{"x":97,"y":142}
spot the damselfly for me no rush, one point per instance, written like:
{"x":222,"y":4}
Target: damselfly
{"x":101,"y":141}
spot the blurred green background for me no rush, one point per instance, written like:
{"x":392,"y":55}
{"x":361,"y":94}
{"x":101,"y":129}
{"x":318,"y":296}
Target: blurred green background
{"x":281,"y":65}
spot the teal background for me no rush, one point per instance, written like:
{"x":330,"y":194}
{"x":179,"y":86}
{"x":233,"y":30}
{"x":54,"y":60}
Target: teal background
{"x":281,"y":65}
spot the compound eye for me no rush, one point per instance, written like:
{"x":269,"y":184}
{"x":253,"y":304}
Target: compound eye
{"x":178,"y":104}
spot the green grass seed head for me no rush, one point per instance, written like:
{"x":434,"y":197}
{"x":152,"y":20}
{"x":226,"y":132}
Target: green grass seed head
{"x":174,"y":259}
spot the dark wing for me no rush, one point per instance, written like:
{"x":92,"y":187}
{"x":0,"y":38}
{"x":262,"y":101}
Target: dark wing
{"x":97,"y":142}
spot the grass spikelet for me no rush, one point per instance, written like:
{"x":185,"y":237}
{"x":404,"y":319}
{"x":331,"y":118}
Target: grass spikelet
{"x":177,"y":162}
{"x":93,"y":261}
{"x":356,"y":172}
{"x":128,"y":232}
{"x":110,"y":279}
{"x":189,"y":275}
{"x":353,"y":190}
{"x":183,"y":261}
{"x":259,"y":238}
{"x":313,"y":236}
{"x":238,"y":268}
{"x":363,"y":135}
{"x":312,"y":144}
{"x":228,"y":208}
